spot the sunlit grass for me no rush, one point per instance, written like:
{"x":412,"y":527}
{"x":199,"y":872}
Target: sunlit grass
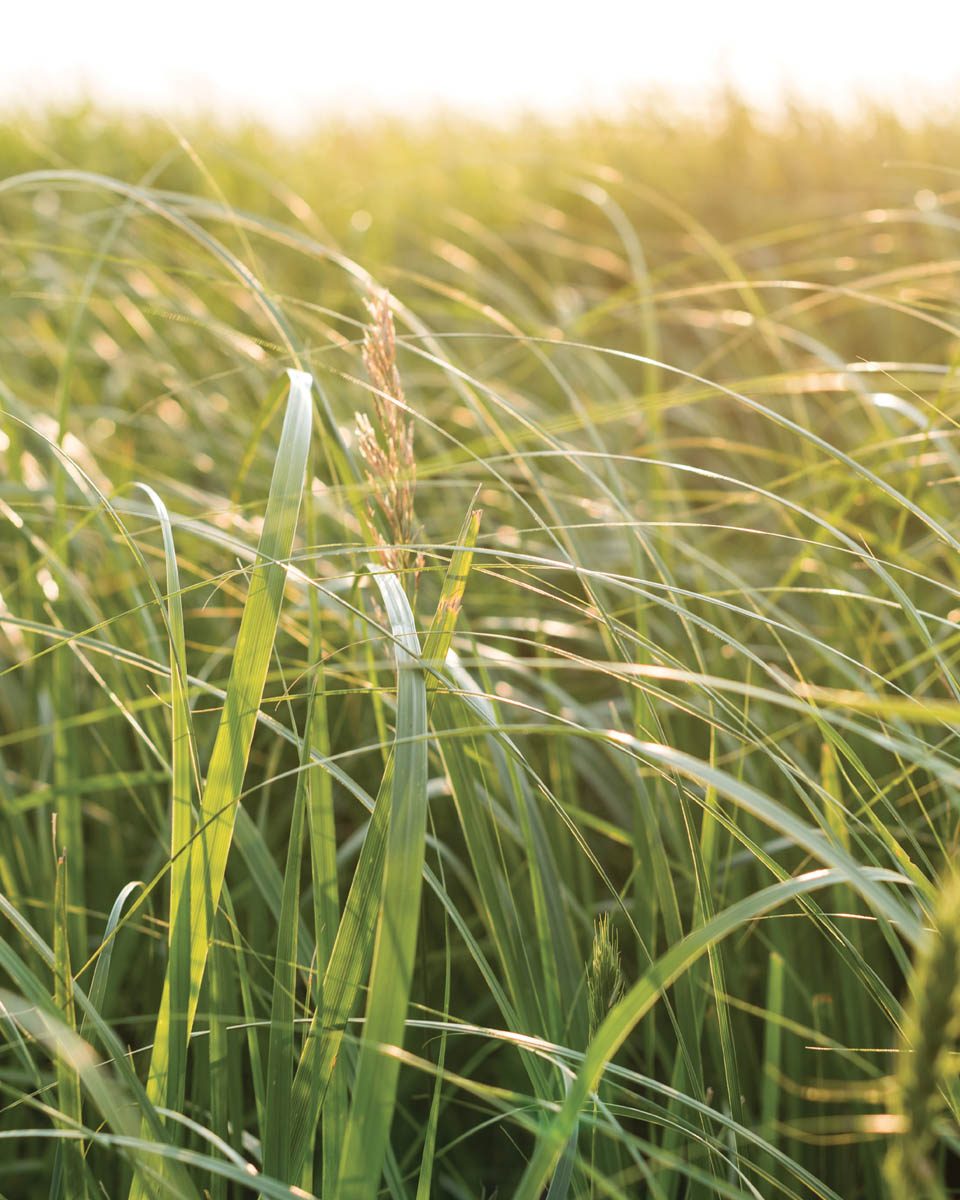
{"x":319,"y":838}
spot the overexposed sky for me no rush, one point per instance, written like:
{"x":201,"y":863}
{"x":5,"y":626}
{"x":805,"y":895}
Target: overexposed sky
{"x":289,"y":61}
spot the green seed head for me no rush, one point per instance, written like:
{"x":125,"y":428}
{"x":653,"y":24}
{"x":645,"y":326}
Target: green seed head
{"x":604,"y":973}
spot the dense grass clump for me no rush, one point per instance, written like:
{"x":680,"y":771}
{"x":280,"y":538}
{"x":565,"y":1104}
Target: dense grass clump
{"x":479,"y":660}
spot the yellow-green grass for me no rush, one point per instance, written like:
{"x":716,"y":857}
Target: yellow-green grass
{"x":309,"y":851}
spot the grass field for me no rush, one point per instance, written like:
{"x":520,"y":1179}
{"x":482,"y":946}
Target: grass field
{"x":480,"y":659}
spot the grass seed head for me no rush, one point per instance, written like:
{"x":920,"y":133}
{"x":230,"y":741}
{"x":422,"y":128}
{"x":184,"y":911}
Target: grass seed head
{"x":604,"y":973}
{"x":387,"y":451}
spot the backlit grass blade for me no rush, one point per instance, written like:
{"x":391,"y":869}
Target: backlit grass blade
{"x":772,"y":1049}
{"x":640,"y":998}
{"x":438,"y":639}
{"x":68,"y":1082}
{"x":182,"y":822}
{"x":428,"y":1153}
{"x":69,"y":813}
{"x":352,"y":947}
{"x":101,"y":972}
{"x":263,"y":870}
{"x":322,"y":827}
{"x":231,"y":940}
{"x":228,"y":760}
{"x":374,"y":1090}
{"x":493,"y":864}
{"x":861,"y":879}
{"x":74,"y":1056}
{"x":280,"y":1060}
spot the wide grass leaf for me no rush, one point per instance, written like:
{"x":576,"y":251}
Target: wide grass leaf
{"x":375,"y":1085}
{"x":228,"y":761}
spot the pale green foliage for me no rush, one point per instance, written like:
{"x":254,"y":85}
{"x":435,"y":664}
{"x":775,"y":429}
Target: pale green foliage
{"x":582,"y":850}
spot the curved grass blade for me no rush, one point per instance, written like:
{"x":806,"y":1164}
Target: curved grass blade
{"x":352,"y":946}
{"x":68,"y":1081}
{"x":73,"y":1054}
{"x":374,"y":1091}
{"x":228,"y":760}
{"x":640,"y":998}
{"x":280,"y":1061}
{"x":182,"y":820}
{"x":101,"y":972}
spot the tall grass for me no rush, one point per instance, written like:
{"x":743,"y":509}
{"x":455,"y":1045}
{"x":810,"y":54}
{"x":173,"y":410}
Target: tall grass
{"x":478,"y":660}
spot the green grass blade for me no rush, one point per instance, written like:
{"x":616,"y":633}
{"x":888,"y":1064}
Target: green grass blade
{"x":772,"y":1049}
{"x":228,"y":760}
{"x":68,"y":1081}
{"x":428,"y":1153}
{"x":640,"y":998}
{"x":326,"y":917}
{"x":182,"y":820}
{"x":280,"y":1060}
{"x":101,"y":972}
{"x":353,"y":944}
{"x":374,"y":1090}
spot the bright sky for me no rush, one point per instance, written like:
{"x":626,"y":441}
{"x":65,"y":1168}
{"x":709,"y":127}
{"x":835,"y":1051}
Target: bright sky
{"x":289,"y":60}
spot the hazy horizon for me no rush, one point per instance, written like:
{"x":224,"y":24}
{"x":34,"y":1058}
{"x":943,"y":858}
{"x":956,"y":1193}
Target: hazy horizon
{"x":506,"y":58}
